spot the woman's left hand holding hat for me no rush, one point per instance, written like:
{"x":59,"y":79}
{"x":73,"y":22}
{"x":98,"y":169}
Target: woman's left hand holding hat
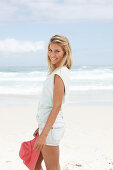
{"x":40,"y":142}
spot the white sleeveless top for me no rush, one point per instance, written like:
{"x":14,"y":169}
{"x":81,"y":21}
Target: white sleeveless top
{"x":45,"y":103}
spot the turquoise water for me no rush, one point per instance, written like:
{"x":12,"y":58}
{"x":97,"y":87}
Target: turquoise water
{"x":89,"y":84}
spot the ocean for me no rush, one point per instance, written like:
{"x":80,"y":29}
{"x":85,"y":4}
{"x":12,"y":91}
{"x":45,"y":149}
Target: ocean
{"x":89,"y":84}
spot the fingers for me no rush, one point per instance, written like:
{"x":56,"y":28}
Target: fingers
{"x":34,"y":135}
{"x":36,"y":132}
{"x":38,"y":146}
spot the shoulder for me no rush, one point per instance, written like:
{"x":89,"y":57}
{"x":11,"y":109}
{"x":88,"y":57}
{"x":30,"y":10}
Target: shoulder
{"x":64,"y":74}
{"x":63,"y":70}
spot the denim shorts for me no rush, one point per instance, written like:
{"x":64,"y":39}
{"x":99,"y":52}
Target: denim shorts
{"x":55,"y":134}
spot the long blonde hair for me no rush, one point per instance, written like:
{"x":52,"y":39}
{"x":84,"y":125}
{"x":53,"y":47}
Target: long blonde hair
{"x":67,"y":59}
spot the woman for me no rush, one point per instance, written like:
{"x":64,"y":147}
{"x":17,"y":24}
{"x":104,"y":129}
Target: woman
{"x":54,"y":94}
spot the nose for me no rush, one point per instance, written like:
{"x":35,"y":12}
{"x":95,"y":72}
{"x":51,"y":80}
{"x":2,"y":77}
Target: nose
{"x":52,"y":54}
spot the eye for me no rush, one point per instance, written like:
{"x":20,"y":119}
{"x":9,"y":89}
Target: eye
{"x":49,"y":50}
{"x":57,"y":51}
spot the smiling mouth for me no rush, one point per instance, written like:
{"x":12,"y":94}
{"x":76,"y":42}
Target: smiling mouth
{"x":53,"y":59}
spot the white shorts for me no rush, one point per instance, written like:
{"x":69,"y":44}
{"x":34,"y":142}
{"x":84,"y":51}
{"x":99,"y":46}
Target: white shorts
{"x":55,"y":134}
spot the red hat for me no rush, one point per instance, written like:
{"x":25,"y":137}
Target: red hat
{"x":28,"y":155}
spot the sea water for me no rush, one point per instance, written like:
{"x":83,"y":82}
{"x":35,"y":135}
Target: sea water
{"x":89,"y":84}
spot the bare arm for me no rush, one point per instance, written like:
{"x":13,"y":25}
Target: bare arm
{"x":57,"y":102}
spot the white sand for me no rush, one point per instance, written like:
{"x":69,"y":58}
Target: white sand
{"x":86,"y":145}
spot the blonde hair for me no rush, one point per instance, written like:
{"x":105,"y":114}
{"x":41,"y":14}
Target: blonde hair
{"x":65,"y":45}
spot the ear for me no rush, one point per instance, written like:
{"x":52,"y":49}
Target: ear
{"x":64,"y":53}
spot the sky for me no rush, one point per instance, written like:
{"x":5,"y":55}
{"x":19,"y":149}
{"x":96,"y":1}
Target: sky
{"x":27,"y":25}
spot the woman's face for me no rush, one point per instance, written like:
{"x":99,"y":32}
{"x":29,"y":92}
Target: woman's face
{"x":55,"y":54}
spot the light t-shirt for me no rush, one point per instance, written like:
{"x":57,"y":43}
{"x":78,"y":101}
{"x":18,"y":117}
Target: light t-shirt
{"x":45,"y":103}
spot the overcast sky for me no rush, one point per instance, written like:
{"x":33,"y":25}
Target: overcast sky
{"x":27,"y":25}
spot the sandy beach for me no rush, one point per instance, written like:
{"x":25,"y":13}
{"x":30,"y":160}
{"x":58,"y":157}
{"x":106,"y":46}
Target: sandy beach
{"x":86,"y":145}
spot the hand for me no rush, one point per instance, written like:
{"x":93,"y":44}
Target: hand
{"x":36,"y":132}
{"x":39,"y":142}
